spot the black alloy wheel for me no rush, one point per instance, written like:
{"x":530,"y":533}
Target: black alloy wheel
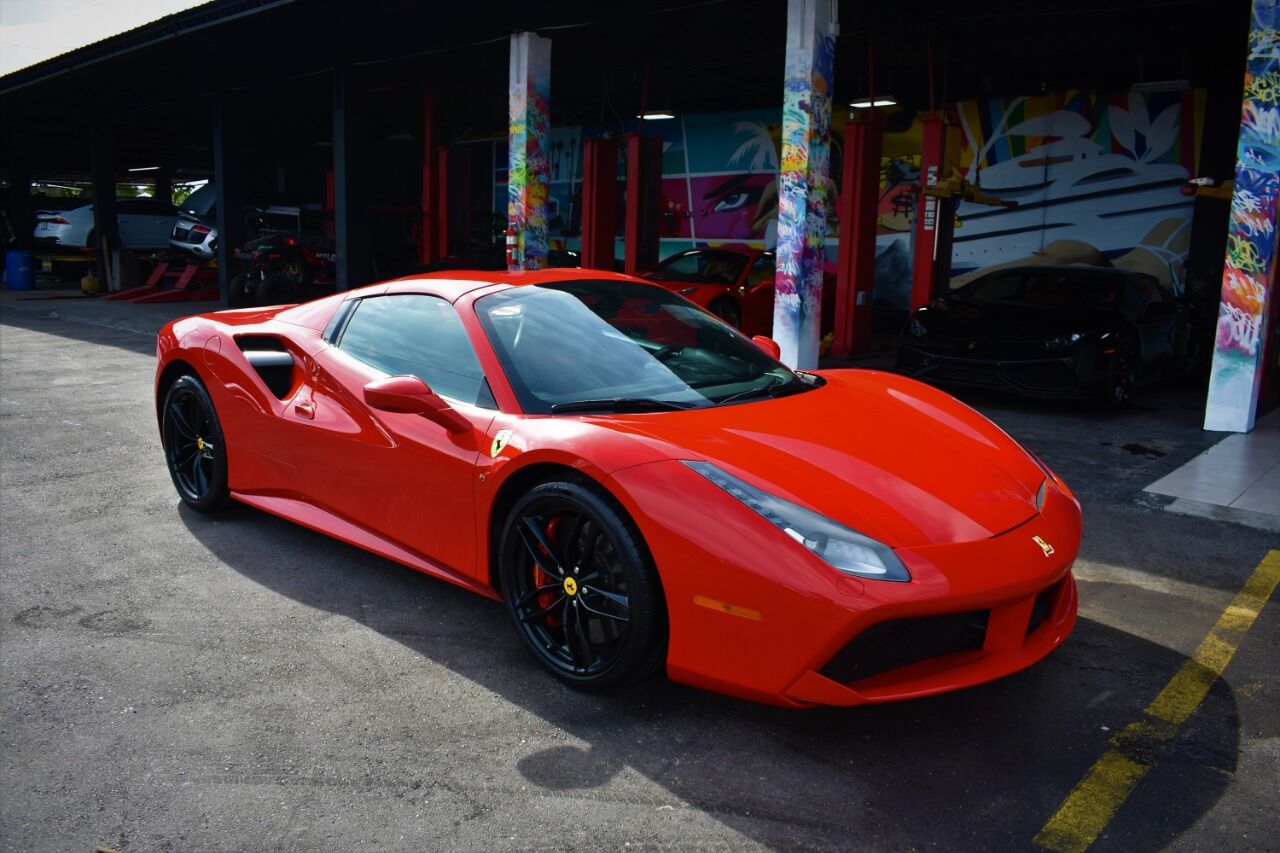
{"x":193,"y":445}
{"x":727,"y":309}
{"x":580,"y":588}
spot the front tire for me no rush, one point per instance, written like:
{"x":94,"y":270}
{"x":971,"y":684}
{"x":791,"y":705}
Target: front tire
{"x":194,"y":448}
{"x":580,"y":587}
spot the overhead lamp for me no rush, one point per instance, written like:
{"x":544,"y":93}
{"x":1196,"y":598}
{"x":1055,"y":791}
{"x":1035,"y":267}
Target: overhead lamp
{"x":145,"y":169}
{"x":867,"y":103}
{"x":656,"y":116}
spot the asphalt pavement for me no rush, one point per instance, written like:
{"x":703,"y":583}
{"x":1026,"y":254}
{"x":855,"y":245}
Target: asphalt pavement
{"x":170,"y":681}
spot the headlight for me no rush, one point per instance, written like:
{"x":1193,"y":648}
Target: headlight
{"x":1063,"y":341}
{"x":844,"y":549}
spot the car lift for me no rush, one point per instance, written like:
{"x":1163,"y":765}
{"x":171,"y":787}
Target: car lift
{"x":187,"y":283}
{"x":936,"y":215}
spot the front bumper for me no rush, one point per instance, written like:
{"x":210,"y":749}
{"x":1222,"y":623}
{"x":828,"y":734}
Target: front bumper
{"x":752,"y":616}
{"x":1069,"y":375}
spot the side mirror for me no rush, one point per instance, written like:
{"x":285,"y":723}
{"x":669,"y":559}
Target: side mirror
{"x":410,"y":395}
{"x":769,"y":345}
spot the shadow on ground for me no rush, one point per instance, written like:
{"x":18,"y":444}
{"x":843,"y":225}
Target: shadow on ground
{"x":977,"y":769}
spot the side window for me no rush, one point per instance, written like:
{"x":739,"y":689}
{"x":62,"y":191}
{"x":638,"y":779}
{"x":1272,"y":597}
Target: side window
{"x":762,"y":271}
{"x":418,"y":335}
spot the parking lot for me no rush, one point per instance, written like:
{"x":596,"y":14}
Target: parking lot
{"x":175,"y":682}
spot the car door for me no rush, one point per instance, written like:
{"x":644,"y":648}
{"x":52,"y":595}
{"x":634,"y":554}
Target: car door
{"x":757,"y":296}
{"x":129,"y":222}
{"x":399,"y":475}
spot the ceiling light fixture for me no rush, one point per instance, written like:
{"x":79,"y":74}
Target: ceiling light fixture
{"x":865,"y":103}
{"x":146,"y":169}
{"x":656,"y":116}
{"x":1161,"y":86}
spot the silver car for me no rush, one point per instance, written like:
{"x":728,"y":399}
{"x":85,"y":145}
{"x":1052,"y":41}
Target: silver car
{"x":195,"y":230}
{"x":144,"y":223}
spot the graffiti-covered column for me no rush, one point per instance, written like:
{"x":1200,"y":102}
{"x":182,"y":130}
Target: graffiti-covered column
{"x":1248,"y":275}
{"x":528,"y":169}
{"x":802,"y":182}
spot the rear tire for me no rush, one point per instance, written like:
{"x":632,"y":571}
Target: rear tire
{"x":580,"y":586}
{"x":277,"y":289}
{"x":194,"y":448}
{"x":236,"y":294}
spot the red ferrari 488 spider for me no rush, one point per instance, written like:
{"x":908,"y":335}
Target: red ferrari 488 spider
{"x":642,"y":486}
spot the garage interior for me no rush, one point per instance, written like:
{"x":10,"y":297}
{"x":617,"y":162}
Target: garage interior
{"x":390,"y":122}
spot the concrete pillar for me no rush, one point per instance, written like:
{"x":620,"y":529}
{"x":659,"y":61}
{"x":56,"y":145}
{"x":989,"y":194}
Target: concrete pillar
{"x":350,"y":179}
{"x":802,"y":181}
{"x":21,"y":215}
{"x":164,"y":184}
{"x":103,"y":165}
{"x":1245,"y":313}
{"x":528,"y":168}
{"x":858,"y":207}
{"x":228,"y":187}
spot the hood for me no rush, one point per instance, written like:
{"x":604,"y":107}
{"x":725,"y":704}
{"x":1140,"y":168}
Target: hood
{"x":892,"y":458}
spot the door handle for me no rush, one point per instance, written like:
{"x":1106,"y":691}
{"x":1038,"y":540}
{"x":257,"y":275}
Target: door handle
{"x":306,"y":409}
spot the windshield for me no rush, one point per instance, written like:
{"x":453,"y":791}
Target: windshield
{"x":1045,"y":288}
{"x":595,"y":345}
{"x":702,"y":266}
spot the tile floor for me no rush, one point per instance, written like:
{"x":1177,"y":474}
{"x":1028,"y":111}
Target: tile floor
{"x":1241,"y":472}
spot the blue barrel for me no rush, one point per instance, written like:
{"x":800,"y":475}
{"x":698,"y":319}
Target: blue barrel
{"x":17,"y":270}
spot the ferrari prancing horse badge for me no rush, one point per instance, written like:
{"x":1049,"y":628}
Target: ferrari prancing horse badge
{"x":499,"y":441}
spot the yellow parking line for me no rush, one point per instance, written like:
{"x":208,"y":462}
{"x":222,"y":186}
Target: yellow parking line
{"x":1091,"y":804}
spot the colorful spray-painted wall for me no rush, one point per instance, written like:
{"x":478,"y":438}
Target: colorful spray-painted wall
{"x":1097,"y":177}
{"x":1248,"y":276}
{"x":528,"y":167}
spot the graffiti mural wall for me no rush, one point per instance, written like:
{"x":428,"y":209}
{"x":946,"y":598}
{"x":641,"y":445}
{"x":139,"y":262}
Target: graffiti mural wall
{"x":1248,"y":276}
{"x":1097,"y":178}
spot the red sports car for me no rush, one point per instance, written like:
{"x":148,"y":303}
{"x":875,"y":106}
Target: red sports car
{"x":642,"y":486}
{"x":735,"y":283}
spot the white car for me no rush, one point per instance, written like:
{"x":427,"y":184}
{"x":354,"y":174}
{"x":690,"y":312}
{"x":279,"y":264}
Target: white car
{"x":144,"y":223}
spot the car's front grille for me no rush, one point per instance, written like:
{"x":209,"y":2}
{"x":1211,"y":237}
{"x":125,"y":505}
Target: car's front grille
{"x":899,"y":642}
{"x":1043,"y":607}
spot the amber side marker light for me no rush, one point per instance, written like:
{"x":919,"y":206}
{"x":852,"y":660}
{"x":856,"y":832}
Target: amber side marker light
{"x":726,"y":607}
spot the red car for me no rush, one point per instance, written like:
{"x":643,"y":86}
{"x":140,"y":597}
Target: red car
{"x":734,"y":283}
{"x":642,"y":486}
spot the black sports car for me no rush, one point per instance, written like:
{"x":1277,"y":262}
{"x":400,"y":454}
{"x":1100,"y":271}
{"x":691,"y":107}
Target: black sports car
{"x":1050,"y":331}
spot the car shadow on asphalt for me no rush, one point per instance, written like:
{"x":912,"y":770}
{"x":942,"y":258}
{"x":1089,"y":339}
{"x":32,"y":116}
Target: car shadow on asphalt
{"x":51,"y":324}
{"x":976,"y":769}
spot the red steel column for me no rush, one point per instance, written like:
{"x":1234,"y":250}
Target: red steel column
{"x":439,"y":237}
{"x":599,"y":202}
{"x":858,"y":211}
{"x":427,"y":245}
{"x":644,"y":189}
{"x":935,"y":217}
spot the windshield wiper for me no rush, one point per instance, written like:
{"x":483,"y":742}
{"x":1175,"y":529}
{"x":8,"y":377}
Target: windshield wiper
{"x":620,"y":404}
{"x":777,"y":389}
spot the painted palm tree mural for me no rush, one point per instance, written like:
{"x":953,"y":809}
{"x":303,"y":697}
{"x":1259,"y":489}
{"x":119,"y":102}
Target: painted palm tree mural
{"x":1097,"y":177}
